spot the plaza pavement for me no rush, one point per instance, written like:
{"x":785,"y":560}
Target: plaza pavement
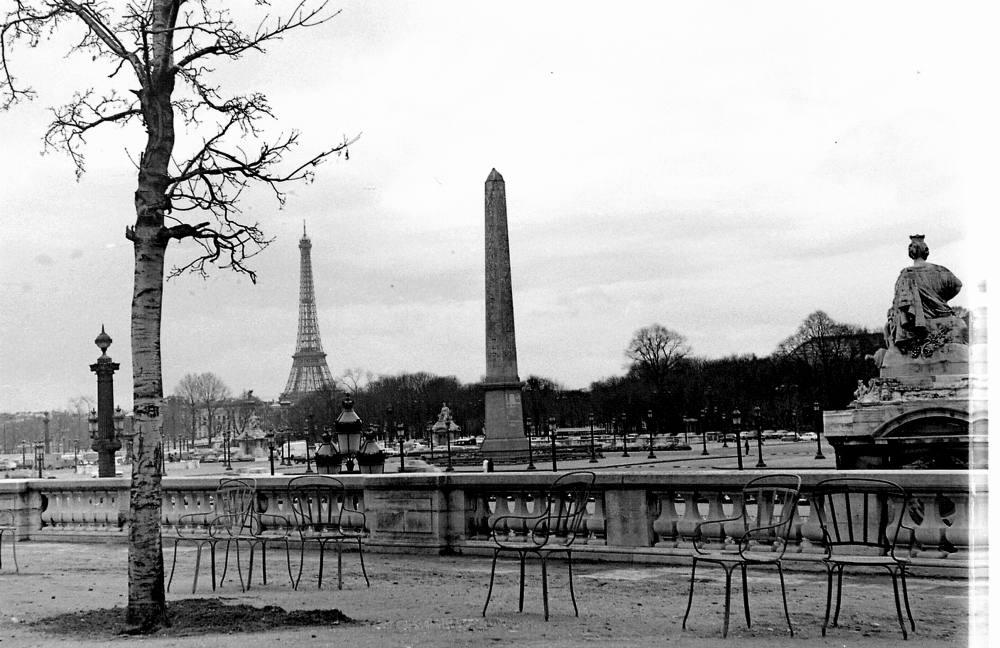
{"x":426,"y":600}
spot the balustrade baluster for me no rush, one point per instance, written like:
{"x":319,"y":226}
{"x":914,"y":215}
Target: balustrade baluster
{"x":691,"y":517}
{"x":665,"y":524}
{"x":968,"y":539}
{"x":929,"y":534}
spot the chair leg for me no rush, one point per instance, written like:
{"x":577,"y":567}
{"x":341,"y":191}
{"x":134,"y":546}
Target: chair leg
{"x":746,"y":595}
{"x":302,"y":560}
{"x":225,"y":565}
{"x":784,"y":600}
{"x":340,"y":566}
{"x":840,"y":592}
{"x":361,"y":556}
{"x":729,"y":589}
{"x":899,"y":611}
{"x":906,"y":598}
{"x":13,"y":549}
{"x":572,"y":595}
{"x":250,"y":571}
{"x":545,"y":587}
{"x":173,"y":566}
{"x":211,"y":554}
{"x":493,"y":571}
{"x":520,"y":599}
{"x":322,"y":550}
{"x":694,"y":567}
{"x":197,"y":566}
{"x":829,"y":596}
{"x":263,"y":561}
{"x":288,"y":561}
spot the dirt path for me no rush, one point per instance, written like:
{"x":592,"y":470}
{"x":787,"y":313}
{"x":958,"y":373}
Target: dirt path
{"x":429,"y":601}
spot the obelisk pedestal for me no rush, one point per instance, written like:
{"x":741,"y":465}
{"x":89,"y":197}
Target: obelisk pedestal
{"x":504,"y":426}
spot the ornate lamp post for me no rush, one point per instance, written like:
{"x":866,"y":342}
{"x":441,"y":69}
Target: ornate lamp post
{"x":593,"y":453}
{"x":447,"y":431}
{"x":76,"y":455}
{"x":286,"y":433}
{"x":760,"y":438}
{"x":349,"y":428}
{"x":105,"y":441}
{"x":649,"y":424}
{"x":39,"y":456}
{"x":227,"y":435}
{"x":819,"y":431}
{"x":307,"y":434}
{"x":270,"y":448}
{"x":704,"y":432}
{"x":401,"y":436}
{"x":614,"y":430}
{"x":552,"y":436}
{"x":737,"y":420}
{"x":24,"y":458}
{"x":45,"y":423}
{"x":531,"y":433}
{"x":624,"y":436}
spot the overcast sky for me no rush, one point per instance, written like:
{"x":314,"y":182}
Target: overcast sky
{"x":723,"y":169}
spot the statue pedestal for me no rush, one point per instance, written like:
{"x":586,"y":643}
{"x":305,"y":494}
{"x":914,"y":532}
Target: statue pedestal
{"x":925,"y":412}
{"x":504,"y":429}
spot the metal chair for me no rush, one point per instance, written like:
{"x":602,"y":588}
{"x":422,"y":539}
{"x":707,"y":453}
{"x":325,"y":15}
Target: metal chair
{"x":8,"y":524}
{"x":231,"y":506}
{"x":324,"y":514}
{"x":549,"y":530}
{"x":250,"y":525}
{"x":861,"y":520}
{"x":759,"y":527}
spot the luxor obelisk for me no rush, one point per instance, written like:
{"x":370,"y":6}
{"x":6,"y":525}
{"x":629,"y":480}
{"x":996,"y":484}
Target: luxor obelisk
{"x":504,"y":419}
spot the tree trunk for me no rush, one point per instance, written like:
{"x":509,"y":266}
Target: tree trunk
{"x":146,"y":595}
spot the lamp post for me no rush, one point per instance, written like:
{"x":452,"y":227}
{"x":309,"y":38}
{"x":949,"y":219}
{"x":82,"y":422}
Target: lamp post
{"x":447,"y":432}
{"x":704,"y":433}
{"x":76,"y":455}
{"x":531,"y":430}
{"x":227,"y":435}
{"x":270,"y":448}
{"x":819,"y":431}
{"x":593,"y":453}
{"x":105,"y":442}
{"x":349,"y":428}
{"x":24,"y":458}
{"x":308,"y":435}
{"x":119,"y":423}
{"x":737,"y":420}
{"x":39,"y":456}
{"x":624,"y":436}
{"x":649,"y":424}
{"x":760,"y":438}
{"x":45,"y":423}
{"x":286,"y":432}
{"x":614,"y":432}
{"x":552,"y":436}
{"x":400,"y":436}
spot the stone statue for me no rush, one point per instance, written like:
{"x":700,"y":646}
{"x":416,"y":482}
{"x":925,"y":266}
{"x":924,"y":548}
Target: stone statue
{"x":920,"y":305}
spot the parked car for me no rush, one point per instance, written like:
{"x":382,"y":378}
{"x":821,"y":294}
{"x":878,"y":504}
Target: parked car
{"x":791,"y":437}
{"x":808,"y":436}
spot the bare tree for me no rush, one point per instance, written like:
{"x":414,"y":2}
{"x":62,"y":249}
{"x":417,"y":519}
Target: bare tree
{"x":157,"y":56}
{"x":189,"y":391}
{"x":214,"y":394}
{"x":654,"y":350}
{"x":355,"y":379}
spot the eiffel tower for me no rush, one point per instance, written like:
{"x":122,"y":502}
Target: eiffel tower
{"x":310,"y":372}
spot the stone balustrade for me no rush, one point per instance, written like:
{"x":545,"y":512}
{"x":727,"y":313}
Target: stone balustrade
{"x":634,"y":516}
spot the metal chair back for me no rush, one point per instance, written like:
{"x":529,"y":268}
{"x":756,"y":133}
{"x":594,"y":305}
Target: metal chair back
{"x":320,"y":504}
{"x":565,"y":509}
{"x":858,"y":514}
{"x":767,"y":509}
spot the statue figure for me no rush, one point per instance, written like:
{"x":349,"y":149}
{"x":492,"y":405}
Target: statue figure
{"x":920,"y":304}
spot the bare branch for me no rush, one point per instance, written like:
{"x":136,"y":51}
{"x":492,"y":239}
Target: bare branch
{"x":84,"y":112}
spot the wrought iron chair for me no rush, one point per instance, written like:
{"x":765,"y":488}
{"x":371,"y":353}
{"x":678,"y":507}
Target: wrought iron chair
{"x":324,"y":514}
{"x":551,"y":528}
{"x":232,"y":503}
{"x":861,"y":520}
{"x":256,"y":528}
{"x":8,"y":524}
{"x":758,"y":529}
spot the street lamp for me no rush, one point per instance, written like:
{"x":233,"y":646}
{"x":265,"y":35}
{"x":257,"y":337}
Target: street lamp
{"x":447,"y":432}
{"x":270,"y":448}
{"x":227,"y":434}
{"x":531,"y":430}
{"x":401,"y":435}
{"x":737,"y":420}
{"x":24,"y":458}
{"x":552,"y":436}
{"x":614,"y":432}
{"x":39,"y":456}
{"x":649,"y":424}
{"x":819,"y":431}
{"x":308,"y":436}
{"x":760,"y":438}
{"x":624,"y":436}
{"x":593,"y":454}
{"x":704,"y":433}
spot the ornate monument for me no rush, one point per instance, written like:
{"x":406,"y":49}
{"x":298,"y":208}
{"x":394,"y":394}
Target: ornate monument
{"x":504,"y":428}
{"x":310,"y":372}
{"x":927,"y":408}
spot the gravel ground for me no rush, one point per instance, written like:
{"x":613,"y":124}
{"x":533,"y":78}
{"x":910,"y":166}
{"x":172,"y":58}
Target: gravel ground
{"x":437,"y":601}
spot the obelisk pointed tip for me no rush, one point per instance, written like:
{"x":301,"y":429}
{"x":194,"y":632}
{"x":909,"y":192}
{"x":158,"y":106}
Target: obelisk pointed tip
{"x":494,"y":177}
